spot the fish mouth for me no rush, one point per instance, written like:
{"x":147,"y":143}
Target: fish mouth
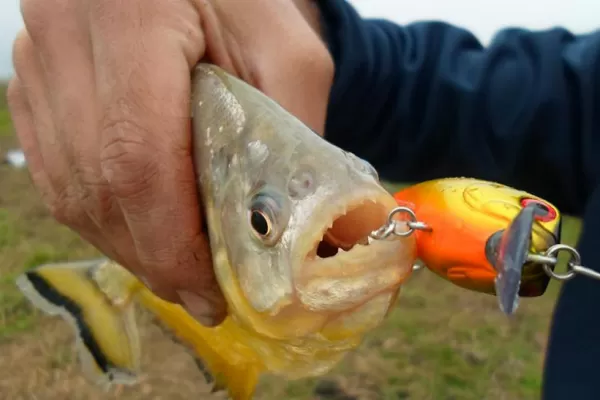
{"x":343,"y":268}
{"x":351,"y":228}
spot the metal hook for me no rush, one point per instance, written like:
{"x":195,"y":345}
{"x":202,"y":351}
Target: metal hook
{"x":392,"y":226}
{"x":550,"y":258}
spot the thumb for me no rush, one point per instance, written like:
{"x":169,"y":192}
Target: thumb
{"x":300,"y":78}
{"x":289,"y":63}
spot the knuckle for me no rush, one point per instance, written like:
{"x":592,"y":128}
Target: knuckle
{"x":65,"y":209}
{"x":34,"y":15}
{"x":41,"y":15}
{"x":23,"y":50}
{"x":94,"y":195}
{"x":128,"y":160}
{"x":320,"y":62}
{"x":14,"y":94}
{"x":328,"y":68}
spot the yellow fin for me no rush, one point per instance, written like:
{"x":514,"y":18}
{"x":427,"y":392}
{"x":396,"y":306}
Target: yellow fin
{"x":96,"y":298}
{"x":224,"y":352}
{"x":106,"y":332}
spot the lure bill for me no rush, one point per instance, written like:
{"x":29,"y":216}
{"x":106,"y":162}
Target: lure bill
{"x":512,"y":256}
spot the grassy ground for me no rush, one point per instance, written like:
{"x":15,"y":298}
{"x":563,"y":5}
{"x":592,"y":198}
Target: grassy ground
{"x":440,"y":343}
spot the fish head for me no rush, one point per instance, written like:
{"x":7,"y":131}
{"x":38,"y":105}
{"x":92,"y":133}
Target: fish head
{"x":288,"y":217}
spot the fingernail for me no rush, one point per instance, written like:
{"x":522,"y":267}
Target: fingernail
{"x":198,"y":308}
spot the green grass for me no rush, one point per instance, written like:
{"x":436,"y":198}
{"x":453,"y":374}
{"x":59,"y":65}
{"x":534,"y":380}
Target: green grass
{"x":441,"y":342}
{"x":5,"y":121}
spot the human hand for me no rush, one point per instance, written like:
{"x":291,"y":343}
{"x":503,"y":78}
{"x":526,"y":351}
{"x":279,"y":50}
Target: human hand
{"x":100,"y":103}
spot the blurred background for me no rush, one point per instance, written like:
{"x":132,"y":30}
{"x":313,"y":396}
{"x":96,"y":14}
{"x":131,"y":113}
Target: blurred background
{"x":440,"y":342}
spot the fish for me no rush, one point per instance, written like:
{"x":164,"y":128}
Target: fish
{"x":288,"y":216}
{"x":480,"y":234}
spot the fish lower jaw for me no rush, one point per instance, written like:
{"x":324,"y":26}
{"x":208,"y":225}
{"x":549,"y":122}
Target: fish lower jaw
{"x":340,"y":269}
{"x":351,"y":278}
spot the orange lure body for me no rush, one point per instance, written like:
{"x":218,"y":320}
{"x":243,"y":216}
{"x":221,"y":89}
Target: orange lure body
{"x":466,"y":218}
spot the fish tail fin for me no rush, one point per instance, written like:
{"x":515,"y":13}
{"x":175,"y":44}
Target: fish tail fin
{"x":94,"y":297}
{"x":221,"y":353}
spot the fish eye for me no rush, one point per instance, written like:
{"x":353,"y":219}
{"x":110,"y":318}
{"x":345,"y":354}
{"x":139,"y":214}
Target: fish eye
{"x":265,"y":217}
{"x":543,"y":212}
{"x":260,"y":222}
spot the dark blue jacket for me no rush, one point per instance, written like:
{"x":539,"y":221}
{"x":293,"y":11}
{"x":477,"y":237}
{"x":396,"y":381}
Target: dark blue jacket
{"x":427,"y":100}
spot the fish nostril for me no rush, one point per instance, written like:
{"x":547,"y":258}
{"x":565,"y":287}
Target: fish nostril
{"x":302,"y":183}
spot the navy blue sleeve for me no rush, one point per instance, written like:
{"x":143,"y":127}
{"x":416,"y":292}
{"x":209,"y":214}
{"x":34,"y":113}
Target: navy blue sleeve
{"x":427,"y":100}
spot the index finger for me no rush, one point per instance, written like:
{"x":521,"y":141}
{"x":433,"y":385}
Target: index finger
{"x":143,"y":76}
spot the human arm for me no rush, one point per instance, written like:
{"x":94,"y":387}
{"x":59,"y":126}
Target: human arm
{"x":428,"y":100}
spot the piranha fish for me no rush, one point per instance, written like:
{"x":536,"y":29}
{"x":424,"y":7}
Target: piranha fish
{"x":480,"y":234}
{"x":288,"y":217}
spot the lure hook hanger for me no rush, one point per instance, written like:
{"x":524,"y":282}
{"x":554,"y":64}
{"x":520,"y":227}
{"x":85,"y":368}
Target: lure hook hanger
{"x":574,"y":267}
{"x":393,"y":226}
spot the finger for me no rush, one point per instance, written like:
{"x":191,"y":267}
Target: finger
{"x":146,"y":145}
{"x":300,"y":80}
{"x":30,"y":126}
{"x":24,"y":126}
{"x":67,"y":61}
{"x":31,"y":78}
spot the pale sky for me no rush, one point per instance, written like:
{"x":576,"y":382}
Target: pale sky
{"x":482,"y":17}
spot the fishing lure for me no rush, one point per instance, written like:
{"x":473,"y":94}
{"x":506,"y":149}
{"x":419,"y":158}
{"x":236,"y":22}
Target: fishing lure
{"x":486,"y":237}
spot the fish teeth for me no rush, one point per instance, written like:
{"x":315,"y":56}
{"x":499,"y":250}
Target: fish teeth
{"x":341,"y":211}
{"x":364,"y":241}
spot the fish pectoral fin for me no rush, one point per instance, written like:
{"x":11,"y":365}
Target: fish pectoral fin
{"x":239,"y":382}
{"x":106,"y":333}
{"x":221,"y":353}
